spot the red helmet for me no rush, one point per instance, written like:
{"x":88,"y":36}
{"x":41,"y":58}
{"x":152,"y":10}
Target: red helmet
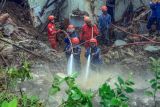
{"x":75,"y":40}
{"x":93,"y":40}
{"x":70,"y":27}
{"x":87,"y":19}
{"x":51,"y":17}
{"x":104,"y":8}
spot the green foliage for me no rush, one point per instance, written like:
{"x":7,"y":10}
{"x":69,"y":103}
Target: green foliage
{"x":12,"y":103}
{"x":22,"y":73}
{"x":5,"y":98}
{"x":116,"y":97}
{"x":30,"y":101}
{"x":10,"y":100}
{"x":75,"y":96}
{"x":155,"y":82}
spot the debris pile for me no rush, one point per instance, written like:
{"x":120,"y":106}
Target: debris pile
{"x":78,"y":12}
{"x":21,"y":41}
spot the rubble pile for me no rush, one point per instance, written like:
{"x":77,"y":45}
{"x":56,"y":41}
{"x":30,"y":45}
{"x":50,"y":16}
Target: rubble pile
{"x":22,"y":34}
{"x":132,"y":57}
{"x":78,"y":12}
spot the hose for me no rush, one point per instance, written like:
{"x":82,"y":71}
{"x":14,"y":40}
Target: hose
{"x":69,"y":39}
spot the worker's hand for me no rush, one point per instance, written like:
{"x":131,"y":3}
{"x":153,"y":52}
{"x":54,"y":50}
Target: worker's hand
{"x":93,"y":54}
{"x":59,"y":30}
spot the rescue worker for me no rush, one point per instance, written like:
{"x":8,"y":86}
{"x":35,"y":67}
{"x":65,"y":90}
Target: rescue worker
{"x":153,"y":17}
{"x":74,"y":49}
{"x":94,"y":51}
{"x":104,"y":23}
{"x":158,"y":16}
{"x":52,"y":32}
{"x":111,"y":8}
{"x":88,"y":30}
{"x":71,"y":33}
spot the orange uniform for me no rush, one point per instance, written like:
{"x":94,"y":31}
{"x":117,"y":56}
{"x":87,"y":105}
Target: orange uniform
{"x":52,"y":35}
{"x":86,"y":34}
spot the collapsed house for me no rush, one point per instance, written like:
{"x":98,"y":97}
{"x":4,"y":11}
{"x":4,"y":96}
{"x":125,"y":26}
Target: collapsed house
{"x":73,"y":10}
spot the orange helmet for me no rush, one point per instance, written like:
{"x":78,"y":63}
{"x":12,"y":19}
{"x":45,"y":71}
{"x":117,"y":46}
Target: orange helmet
{"x":70,"y":27}
{"x":87,"y":19}
{"x":93,"y":40}
{"x":75,"y":40}
{"x":51,"y":17}
{"x":104,"y":8}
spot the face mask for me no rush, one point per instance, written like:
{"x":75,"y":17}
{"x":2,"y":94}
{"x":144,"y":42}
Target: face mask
{"x":93,"y":45}
{"x":52,"y":21}
{"x":70,"y":31}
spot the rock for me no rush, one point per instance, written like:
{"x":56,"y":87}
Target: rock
{"x":52,"y":102}
{"x":106,"y":60}
{"x":7,"y":51}
{"x":8,"y":29}
{"x":152,"y":48}
{"x":120,"y":43}
{"x":61,"y":75}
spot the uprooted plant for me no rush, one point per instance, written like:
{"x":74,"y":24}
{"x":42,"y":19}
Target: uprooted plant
{"x":155,"y":82}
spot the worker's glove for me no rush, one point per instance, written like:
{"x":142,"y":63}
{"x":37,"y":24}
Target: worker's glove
{"x":59,"y":30}
{"x":93,"y":54}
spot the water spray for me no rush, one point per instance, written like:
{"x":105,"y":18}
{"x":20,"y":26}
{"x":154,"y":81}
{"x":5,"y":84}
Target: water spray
{"x":88,"y":62}
{"x":70,"y":61}
{"x":88,"y":67}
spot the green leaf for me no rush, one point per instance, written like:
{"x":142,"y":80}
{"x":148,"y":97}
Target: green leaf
{"x":152,"y":81}
{"x":70,"y":81}
{"x":5,"y":104}
{"x":158,"y":87}
{"x":124,"y":105}
{"x":74,"y":75}
{"x":76,"y":94}
{"x":120,"y":80}
{"x":54,"y":90}
{"x":149,"y":93}
{"x":129,"y":82}
{"x":129,"y":89}
{"x":115,"y":101}
{"x":154,"y":85}
{"x":13,"y":103}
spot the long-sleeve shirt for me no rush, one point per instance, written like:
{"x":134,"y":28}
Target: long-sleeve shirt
{"x":86,"y":34}
{"x":95,"y":55}
{"x":76,"y":51}
{"x":153,"y":9}
{"x":158,"y":10}
{"x":52,"y":31}
{"x":104,"y":22}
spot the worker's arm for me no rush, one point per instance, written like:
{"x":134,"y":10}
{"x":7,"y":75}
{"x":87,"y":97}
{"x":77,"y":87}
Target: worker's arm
{"x":87,"y":53}
{"x":78,"y":52}
{"x":82,"y":34}
{"x":95,"y":30}
{"x":152,"y":5}
{"x":100,"y":23}
{"x":109,"y":20}
{"x":96,"y":53}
